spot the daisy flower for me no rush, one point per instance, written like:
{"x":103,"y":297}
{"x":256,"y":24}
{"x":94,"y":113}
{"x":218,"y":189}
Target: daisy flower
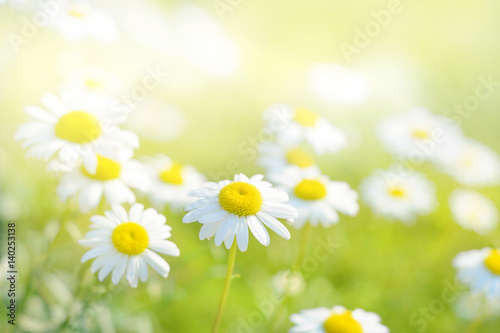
{"x":112,"y":179}
{"x":473,"y":211}
{"x":336,"y":320}
{"x":317,"y":198}
{"x":399,"y":198}
{"x":417,"y":131}
{"x":126,"y":243}
{"x":275,"y":158}
{"x":480,"y":270}
{"x":228,"y":208}
{"x":303,"y":124}
{"x":75,"y":124}
{"x":171,"y":182}
{"x":471,"y":163}
{"x":79,"y":20}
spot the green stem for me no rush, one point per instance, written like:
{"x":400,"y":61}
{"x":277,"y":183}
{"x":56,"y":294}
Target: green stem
{"x":225,"y":291}
{"x":39,"y":265}
{"x":304,"y":240}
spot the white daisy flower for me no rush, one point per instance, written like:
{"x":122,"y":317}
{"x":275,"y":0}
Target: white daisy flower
{"x":112,"y":179}
{"x":288,"y":282}
{"x":75,"y":124}
{"x":336,"y":320}
{"x":94,"y":79}
{"x":228,"y":208}
{"x":302,"y":124}
{"x":417,"y":132}
{"x":471,"y":163}
{"x":79,"y":20}
{"x":171,"y":182}
{"x":480,"y":270}
{"x":317,"y":198}
{"x":275,"y":158}
{"x":472,"y":306}
{"x":126,"y":243}
{"x":473,"y":211}
{"x":399,"y":198}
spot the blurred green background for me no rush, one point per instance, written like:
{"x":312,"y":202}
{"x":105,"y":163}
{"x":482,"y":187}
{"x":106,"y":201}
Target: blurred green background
{"x":431,"y":54}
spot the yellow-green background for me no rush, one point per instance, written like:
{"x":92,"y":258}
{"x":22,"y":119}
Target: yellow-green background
{"x":431,"y":54}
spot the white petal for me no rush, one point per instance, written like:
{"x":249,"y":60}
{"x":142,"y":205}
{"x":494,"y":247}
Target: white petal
{"x":224,"y":228}
{"x":258,"y":230}
{"x":157,"y":263}
{"x":143,"y":270}
{"x":119,"y":269}
{"x":96,"y":252}
{"x":133,"y":271}
{"x":120,"y":212}
{"x":279,"y":210}
{"x":242,"y":234}
{"x":108,"y":267}
{"x":274,"y":225}
{"x":214,"y":216}
{"x":165,"y":247}
{"x":135,"y":212}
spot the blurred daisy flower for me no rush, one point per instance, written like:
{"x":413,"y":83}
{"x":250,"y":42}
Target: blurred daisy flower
{"x":417,"y":131}
{"x":94,"y":79}
{"x":472,"y":306}
{"x":301,"y":124}
{"x":471,"y":163}
{"x":75,"y":124}
{"x":480,"y":270}
{"x":336,"y":320}
{"x":397,"y":197}
{"x":275,"y":158}
{"x":79,"y":20}
{"x":473,"y":211}
{"x":112,"y":179}
{"x":228,"y":208}
{"x":317,"y":198}
{"x":126,"y":243}
{"x":288,"y":282}
{"x":171,"y":182}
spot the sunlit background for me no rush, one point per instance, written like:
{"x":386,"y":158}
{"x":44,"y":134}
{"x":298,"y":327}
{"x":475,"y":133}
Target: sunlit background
{"x":216,"y":66}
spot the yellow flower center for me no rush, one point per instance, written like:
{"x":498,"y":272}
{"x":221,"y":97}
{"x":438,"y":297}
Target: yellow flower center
{"x":397,"y":192}
{"x":93,"y":84}
{"x":240,"y":198}
{"x":342,"y":323}
{"x":78,"y":127}
{"x":306,"y":117}
{"x":130,"y":238}
{"x":310,"y":189}
{"x":107,"y":169}
{"x":420,"y":134}
{"x":493,"y":262}
{"x":299,"y":157}
{"x":172,"y":175}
